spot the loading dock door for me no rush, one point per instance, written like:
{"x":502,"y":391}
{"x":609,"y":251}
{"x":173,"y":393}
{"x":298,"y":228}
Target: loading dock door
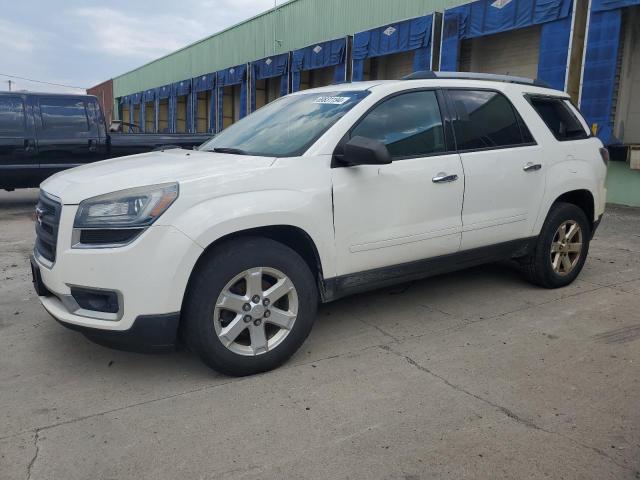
{"x":163,"y":116}
{"x":232,"y":92}
{"x":203,"y":88}
{"x":150,"y":117}
{"x":136,"y":114}
{"x":269,"y":80}
{"x":394,"y":50}
{"x":320,"y":77}
{"x":203,"y":109}
{"x":319,"y":65}
{"x":626,"y":100}
{"x":267,"y":91}
{"x":181,"y":114}
{"x":231,"y":105}
{"x":126,"y":116}
{"x":504,"y":38}
{"x":391,"y":67}
{"x":514,"y":52}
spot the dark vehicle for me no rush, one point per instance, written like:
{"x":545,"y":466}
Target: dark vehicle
{"x":44,"y":133}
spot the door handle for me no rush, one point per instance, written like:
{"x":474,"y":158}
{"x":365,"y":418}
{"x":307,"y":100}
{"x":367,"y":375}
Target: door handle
{"x":444,"y":178}
{"x":532,"y":167}
{"x":92,"y":145}
{"x":28,"y":146}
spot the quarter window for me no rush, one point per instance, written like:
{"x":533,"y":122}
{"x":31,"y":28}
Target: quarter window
{"x":11,"y":116}
{"x":485,"y":119}
{"x":409,"y":125}
{"x":64,"y":114}
{"x":557,"y":115}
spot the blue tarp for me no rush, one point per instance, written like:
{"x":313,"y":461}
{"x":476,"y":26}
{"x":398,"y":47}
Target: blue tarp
{"x":599,"y":77}
{"x":487,"y":17}
{"x":149,"y":95}
{"x":182,"y":88}
{"x":231,"y":76}
{"x":205,"y":83}
{"x":602,"y":5}
{"x":600,"y":65}
{"x":270,"y":67}
{"x":163,"y":92}
{"x":320,"y":55}
{"x":409,"y":35}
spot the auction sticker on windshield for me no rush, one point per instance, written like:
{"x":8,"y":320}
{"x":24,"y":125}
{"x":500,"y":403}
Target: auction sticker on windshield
{"x":331,"y":100}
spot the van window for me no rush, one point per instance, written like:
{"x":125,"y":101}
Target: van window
{"x":11,"y":116}
{"x":64,"y":114}
{"x":485,"y":119}
{"x":409,"y":125}
{"x":559,"y":117}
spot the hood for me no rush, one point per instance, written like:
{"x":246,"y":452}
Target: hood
{"x":176,"y":165}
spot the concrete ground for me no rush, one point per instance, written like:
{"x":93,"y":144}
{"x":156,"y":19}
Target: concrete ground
{"x":475,"y":374}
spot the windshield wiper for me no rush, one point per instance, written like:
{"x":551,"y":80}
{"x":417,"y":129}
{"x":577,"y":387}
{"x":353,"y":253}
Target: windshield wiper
{"x":234,"y":151}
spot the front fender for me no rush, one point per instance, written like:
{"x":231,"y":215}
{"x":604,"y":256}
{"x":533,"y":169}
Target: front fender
{"x":212,"y":219}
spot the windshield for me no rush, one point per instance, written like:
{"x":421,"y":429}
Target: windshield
{"x":286,"y":127}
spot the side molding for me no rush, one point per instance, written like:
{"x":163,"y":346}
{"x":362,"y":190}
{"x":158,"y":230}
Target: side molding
{"x":342,"y":286}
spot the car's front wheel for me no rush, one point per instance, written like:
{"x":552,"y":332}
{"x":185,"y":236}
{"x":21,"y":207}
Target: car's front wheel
{"x":561,"y":249}
{"x":250,"y":306}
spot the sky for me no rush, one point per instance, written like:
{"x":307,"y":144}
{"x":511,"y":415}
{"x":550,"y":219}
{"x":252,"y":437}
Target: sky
{"x":81,"y":43}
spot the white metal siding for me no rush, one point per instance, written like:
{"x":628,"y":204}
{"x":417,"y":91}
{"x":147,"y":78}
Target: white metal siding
{"x":510,"y":53}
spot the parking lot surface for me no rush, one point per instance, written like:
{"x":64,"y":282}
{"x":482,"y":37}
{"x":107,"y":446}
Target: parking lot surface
{"x":475,"y":374}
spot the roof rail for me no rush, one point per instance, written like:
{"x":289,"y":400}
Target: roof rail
{"x":489,"y":77}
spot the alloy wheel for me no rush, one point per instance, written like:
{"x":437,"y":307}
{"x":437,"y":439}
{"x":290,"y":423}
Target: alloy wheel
{"x":566,"y":247}
{"x":256,"y":311}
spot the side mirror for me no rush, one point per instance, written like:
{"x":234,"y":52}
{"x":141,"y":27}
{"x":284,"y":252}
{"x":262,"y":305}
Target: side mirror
{"x":365,"y":151}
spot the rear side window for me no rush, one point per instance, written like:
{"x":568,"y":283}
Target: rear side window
{"x":485,"y":120}
{"x":410,"y":125}
{"x":11,"y":116}
{"x":64,"y":114}
{"x":559,"y":117}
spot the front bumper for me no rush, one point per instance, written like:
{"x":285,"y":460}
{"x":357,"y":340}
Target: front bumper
{"x":150,"y":276}
{"x":148,"y":334}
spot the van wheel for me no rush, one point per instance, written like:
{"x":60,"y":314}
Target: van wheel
{"x":250,"y":306}
{"x":561,"y":249}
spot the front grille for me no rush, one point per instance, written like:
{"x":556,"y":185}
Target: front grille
{"x":47,"y":223}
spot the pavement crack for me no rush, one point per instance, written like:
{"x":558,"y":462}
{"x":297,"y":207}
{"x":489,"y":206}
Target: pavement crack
{"x":381,"y":330}
{"x":204,"y":388}
{"x":506,"y":411}
{"x":36,"y":444}
{"x":509,"y":413}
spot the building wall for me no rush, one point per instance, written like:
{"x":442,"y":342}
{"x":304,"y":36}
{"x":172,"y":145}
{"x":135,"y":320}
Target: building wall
{"x":627,"y":116}
{"x":293,"y":25}
{"x":104,"y":92}
{"x":623,"y":184}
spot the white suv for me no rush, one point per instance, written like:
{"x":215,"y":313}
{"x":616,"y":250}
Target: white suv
{"x":318,"y":195}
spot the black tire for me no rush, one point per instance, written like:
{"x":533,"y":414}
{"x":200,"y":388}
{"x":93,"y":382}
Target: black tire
{"x":538,"y":267}
{"x":213,"y":273}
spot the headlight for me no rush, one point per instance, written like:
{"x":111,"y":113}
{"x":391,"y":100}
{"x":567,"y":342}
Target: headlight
{"x":132,"y":208}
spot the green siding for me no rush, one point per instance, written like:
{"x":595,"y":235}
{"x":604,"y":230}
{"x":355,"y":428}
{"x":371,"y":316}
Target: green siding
{"x":297,"y":24}
{"x":623,"y":184}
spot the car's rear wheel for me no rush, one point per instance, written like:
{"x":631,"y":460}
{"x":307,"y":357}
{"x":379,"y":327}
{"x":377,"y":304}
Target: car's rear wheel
{"x":561,"y":248}
{"x":250,"y":306}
